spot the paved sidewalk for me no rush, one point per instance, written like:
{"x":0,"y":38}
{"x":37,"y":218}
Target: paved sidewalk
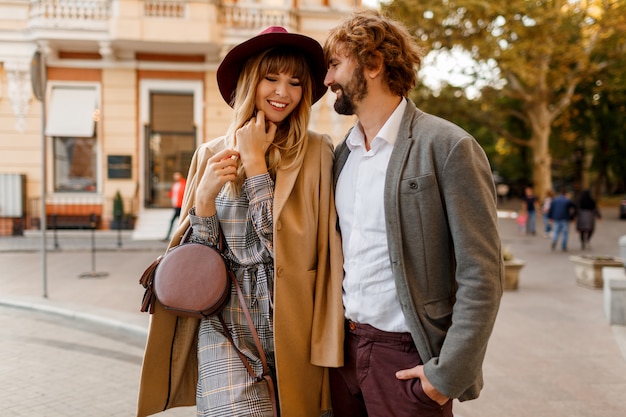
{"x":78,"y":351}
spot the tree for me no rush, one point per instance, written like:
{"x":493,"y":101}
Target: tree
{"x":596,"y":121}
{"x":451,"y":103}
{"x":540,"y":49}
{"x":595,"y":127}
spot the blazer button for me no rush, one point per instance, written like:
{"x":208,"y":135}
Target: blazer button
{"x":413,"y":186}
{"x":279,"y":225}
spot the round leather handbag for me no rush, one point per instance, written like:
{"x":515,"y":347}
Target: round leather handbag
{"x":190,"y":280}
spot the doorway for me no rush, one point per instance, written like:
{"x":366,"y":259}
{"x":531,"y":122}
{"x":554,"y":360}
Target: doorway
{"x":170,"y":144}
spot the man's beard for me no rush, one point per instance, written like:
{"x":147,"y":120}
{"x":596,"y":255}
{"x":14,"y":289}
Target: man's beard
{"x":351,"y":94}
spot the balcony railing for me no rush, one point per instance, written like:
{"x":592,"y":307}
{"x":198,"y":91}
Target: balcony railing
{"x":72,"y":17}
{"x":70,"y":14}
{"x":176,"y":9}
{"x":254,"y":16}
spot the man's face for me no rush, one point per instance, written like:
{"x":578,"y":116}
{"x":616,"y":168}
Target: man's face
{"x":345,"y":78}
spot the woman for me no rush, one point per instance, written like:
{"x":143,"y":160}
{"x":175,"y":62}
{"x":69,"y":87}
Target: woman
{"x":586,"y":218}
{"x":267,"y":184}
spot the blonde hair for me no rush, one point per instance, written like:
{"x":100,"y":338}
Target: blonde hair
{"x":290,"y":142}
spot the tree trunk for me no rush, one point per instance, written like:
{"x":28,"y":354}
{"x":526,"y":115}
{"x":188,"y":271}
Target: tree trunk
{"x":541,"y":122}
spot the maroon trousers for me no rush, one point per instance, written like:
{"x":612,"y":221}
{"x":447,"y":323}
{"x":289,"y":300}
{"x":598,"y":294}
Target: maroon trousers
{"x":366,"y":386}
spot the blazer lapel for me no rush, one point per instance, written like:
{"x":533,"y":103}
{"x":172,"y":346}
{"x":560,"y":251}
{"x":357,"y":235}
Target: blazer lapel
{"x":398,"y":157}
{"x":285,"y":180}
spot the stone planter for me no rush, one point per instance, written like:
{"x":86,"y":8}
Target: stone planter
{"x":588,"y":268}
{"x":512,"y":270}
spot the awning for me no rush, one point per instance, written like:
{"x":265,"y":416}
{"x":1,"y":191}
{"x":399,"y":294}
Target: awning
{"x":71,"y":112}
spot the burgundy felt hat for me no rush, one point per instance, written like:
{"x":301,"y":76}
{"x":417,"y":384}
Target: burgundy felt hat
{"x":274,"y":36}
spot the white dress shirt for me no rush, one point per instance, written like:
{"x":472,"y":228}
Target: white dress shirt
{"x":369,"y":290}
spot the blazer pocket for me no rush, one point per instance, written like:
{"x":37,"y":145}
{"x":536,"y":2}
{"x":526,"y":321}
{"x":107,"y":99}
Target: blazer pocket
{"x":439,"y":312}
{"x":416,"y":184}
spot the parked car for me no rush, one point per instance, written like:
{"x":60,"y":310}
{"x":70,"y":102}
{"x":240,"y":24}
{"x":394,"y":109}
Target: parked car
{"x":622,"y":208}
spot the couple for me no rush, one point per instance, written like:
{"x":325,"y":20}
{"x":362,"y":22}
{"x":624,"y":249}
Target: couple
{"x":394,"y":324}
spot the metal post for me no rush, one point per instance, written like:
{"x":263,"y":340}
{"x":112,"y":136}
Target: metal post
{"x":92,"y":223}
{"x":54,"y":231}
{"x":38,"y":79}
{"x":93,"y":273}
{"x":44,"y":226}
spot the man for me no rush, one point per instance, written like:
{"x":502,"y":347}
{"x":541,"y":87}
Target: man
{"x":176,"y":194}
{"x":417,"y":212}
{"x":562,"y":212}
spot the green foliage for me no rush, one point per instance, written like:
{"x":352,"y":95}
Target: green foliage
{"x":451,"y":103}
{"x":118,"y":206}
{"x":540,"y":51}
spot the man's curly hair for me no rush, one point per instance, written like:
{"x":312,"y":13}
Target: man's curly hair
{"x":367,"y":36}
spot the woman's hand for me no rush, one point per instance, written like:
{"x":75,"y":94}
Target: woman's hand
{"x":220,"y":168}
{"x":252,"y":141}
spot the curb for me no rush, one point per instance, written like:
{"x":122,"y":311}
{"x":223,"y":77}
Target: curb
{"x":111,"y":323}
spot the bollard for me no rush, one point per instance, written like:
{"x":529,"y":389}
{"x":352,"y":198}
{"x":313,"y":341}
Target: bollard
{"x":119,"y":234}
{"x":93,"y":273}
{"x":54,"y":230}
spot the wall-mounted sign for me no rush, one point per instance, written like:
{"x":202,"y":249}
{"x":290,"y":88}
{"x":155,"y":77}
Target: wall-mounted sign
{"x":119,"y":166}
{"x":38,"y":75}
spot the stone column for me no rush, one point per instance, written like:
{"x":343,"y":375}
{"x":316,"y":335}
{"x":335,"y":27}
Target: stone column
{"x":19,"y":89}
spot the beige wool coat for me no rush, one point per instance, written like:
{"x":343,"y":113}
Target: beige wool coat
{"x":308,"y":311}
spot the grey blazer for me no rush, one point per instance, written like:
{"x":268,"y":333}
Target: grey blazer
{"x":444,"y":246}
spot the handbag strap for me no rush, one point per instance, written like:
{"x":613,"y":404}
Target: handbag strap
{"x":265,"y":375}
{"x":220,"y":238}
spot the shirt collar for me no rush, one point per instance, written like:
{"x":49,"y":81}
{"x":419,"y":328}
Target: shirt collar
{"x":388,"y":133}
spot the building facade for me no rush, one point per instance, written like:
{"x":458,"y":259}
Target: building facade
{"x":106,"y":98}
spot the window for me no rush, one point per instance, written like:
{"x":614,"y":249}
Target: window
{"x":75,"y":162}
{"x":71,"y":122}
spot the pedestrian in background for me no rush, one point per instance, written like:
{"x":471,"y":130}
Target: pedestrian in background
{"x":545,"y":209}
{"x":522,"y":219}
{"x":531,"y":209}
{"x":586,"y":218}
{"x":417,"y":212}
{"x":562,"y":212}
{"x":176,"y":194}
{"x":267,"y":185}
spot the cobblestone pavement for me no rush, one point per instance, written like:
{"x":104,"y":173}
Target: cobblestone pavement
{"x":77,"y":352}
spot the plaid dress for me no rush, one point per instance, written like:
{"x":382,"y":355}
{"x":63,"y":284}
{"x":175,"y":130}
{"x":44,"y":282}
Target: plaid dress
{"x":224,"y":386}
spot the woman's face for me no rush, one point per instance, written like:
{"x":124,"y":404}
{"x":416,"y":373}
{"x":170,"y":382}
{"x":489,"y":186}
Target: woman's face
{"x":278,"y":95}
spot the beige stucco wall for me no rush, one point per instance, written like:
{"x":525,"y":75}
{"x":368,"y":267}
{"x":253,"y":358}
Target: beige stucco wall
{"x":217,"y":113}
{"x":119,"y":127}
{"x":20,"y":152}
{"x":130,"y":24}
